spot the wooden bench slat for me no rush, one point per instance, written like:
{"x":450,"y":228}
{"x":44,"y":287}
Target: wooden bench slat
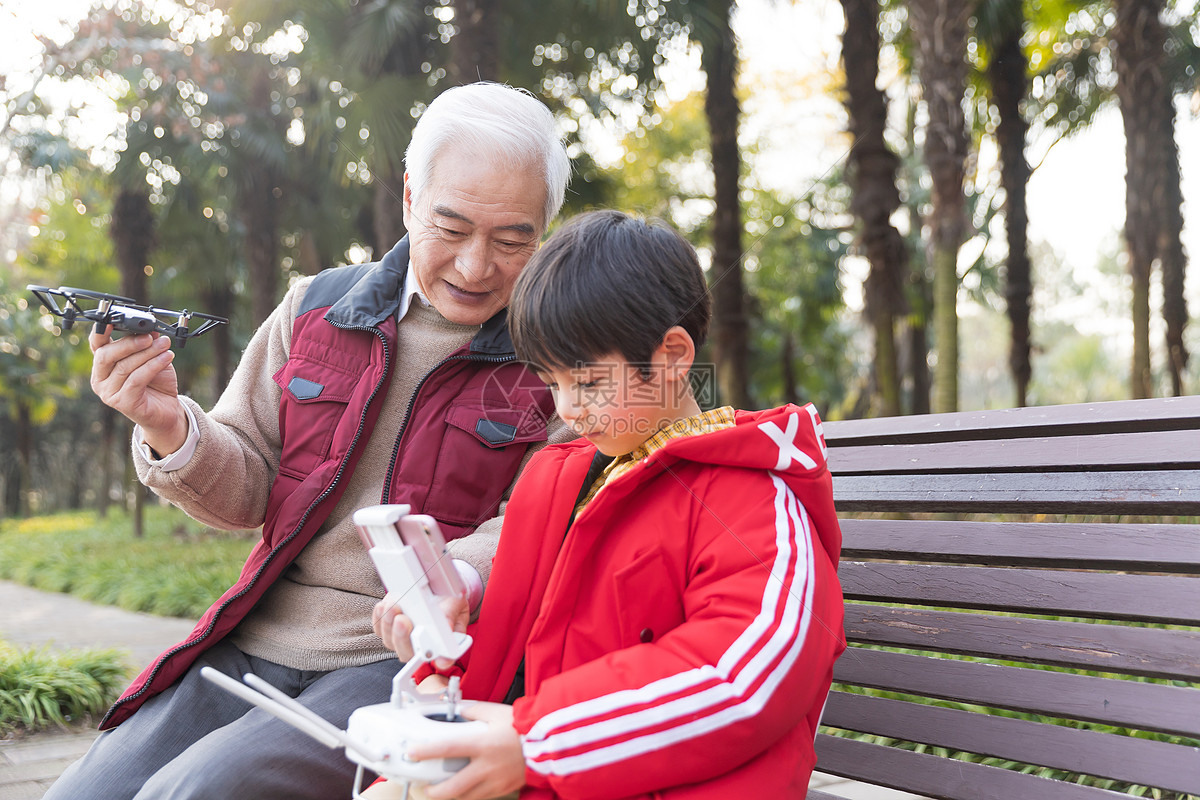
{"x":1137,"y":598}
{"x":1150,"y":547}
{"x":1125,"y":758}
{"x":1151,"y":652}
{"x":1150,"y":450}
{"x":1108,"y":701}
{"x":963,"y":596}
{"x":942,"y":778}
{"x":1160,"y":492}
{"x":1174,"y":413}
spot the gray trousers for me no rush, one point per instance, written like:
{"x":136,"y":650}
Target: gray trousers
{"x":195,"y":741}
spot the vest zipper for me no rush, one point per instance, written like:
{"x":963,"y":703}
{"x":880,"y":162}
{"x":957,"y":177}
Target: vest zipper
{"x":412,"y":402}
{"x":387,"y":368}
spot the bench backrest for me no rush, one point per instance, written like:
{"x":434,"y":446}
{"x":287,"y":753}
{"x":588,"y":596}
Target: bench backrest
{"x":973,"y":596}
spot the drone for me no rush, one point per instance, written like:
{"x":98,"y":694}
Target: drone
{"x":122,"y":313}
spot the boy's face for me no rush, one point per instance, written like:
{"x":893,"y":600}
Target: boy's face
{"x":611,"y":404}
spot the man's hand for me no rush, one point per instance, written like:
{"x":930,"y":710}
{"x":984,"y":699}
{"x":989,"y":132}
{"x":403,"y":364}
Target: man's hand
{"x":134,"y":375}
{"x":497,"y":764}
{"x":395,"y":629}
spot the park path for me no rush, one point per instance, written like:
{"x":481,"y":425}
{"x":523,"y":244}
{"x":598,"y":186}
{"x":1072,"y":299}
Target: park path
{"x":33,"y":618}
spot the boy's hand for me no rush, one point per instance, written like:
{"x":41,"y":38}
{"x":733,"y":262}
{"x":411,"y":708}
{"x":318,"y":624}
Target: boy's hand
{"x":395,"y":629}
{"x":434,"y":684}
{"x":497,"y":764}
{"x":135,"y":376}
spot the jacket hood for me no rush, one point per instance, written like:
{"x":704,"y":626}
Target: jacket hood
{"x":787,"y":441}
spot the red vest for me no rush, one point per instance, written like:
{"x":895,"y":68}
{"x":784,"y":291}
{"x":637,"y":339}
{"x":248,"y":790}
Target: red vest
{"x":468,"y":426}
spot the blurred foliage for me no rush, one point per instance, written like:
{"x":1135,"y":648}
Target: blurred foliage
{"x":315,"y":101}
{"x":794,"y":249}
{"x":177,"y":569}
{"x":41,"y":366}
{"x":43,"y":688}
{"x":803,"y":331}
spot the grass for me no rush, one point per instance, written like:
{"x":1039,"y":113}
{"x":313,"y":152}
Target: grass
{"x":39,"y":689}
{"x":176,"y":570}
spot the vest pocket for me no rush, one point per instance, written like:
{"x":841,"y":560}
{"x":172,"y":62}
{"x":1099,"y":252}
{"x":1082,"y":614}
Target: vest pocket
{"x":314,"y":400}
{"x":478,"y":458}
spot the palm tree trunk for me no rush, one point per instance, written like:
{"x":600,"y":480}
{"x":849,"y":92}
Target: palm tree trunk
{"x":475,"y":48}
{"x":388,"y":211}
{"x":136,"y":493}
{"x":262,"y":250}
{"x":259,"y":194}
{"x":872,"y":167}
{"x":1174,"y":266}
{"x":220,"y":299}
{"x":941,"y":28}
{"x":109,"y":425}
{"x":921,"y":300}
{"x":12,"y":491}
{"x":787,"y":364}
{"x":132,"y":231}
{"x":731,"y":342}
{"x":1006,"y":74}
{"x":920,"y":296}
{"x":1172,"y":257}
{"x":24,"y":447}
{"x":1148,"y":116}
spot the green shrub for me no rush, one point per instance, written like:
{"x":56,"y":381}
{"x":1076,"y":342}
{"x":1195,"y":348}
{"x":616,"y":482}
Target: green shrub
{"x":39,"y":688}
{"x":178,"y":568}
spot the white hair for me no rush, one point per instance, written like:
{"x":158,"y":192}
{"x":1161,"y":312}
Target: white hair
{"x":506,"y":125}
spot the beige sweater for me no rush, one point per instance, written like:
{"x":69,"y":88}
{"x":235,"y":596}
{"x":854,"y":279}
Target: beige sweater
{"x":317,"y":616}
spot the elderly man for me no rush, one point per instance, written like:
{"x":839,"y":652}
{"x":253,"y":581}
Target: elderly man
{"x":390,"y":382}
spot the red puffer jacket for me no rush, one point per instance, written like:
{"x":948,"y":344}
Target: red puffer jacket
{"x":678,"y":637}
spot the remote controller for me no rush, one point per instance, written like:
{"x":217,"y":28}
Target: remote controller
{"x":410,"y":554}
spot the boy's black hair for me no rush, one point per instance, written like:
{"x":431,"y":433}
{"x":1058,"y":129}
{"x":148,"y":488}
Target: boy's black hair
{"x":607,"y":282}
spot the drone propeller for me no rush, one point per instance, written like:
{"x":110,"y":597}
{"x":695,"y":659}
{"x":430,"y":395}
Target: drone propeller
{"x":122,"y":313}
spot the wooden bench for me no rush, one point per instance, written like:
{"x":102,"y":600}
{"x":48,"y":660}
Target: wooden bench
{"x":998,"y":562}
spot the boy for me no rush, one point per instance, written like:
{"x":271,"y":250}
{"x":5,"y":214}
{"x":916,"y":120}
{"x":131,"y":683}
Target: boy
{"x":664,"y":602}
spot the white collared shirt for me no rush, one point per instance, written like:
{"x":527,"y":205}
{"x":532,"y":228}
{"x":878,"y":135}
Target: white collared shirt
{"x":411,"y":289}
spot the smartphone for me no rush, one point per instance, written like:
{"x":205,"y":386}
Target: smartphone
{"x":392,"y":527}
{"x":422,"y":533}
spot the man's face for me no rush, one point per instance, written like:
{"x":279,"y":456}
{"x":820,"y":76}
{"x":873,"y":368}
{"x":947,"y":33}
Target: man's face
{"x":471,"y":230}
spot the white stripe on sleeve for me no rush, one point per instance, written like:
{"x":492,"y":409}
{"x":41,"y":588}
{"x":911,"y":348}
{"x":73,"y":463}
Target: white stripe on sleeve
{"x":793,"y":535}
